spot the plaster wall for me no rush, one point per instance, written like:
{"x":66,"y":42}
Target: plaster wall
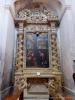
{"x":7,"y":35}
{"x":66,"y":35}
{"x":66,"y":44}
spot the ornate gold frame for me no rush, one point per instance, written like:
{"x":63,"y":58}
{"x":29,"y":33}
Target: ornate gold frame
{"x":53,"y":72}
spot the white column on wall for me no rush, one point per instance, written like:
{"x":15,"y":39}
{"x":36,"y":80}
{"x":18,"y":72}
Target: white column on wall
{"x":66,"y":36}
{"x":0,"y":52}
{"x":7,"y":34}
{"x":73,"y":34}
{"x":59,"y":47}
{"x":3,"y":36}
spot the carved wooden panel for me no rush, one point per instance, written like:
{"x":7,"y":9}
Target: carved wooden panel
{"x":37,"y":80}
{"x":36,"y":16}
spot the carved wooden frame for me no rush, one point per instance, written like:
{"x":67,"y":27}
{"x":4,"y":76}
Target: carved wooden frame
{"x":34,"y":30}
{"x":51,"y":72}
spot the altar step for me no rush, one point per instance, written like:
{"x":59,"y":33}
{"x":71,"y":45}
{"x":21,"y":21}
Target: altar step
{"x":37,"y":97}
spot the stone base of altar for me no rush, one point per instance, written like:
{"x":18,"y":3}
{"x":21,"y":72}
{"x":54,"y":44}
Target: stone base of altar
{"x":37,"y":87}
{"x":39,"y":82}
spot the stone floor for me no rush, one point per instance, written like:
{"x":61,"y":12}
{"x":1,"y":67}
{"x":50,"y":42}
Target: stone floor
{"x":67,"y":93}
{"x":35,"y":99}
{"x":45,"y":97}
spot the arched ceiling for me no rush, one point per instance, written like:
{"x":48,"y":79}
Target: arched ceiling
{"x":54,"y":5}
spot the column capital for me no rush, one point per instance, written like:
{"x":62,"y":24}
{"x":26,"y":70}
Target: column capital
{"x":53,"y":27}
{"x":52,"y":24}
{"x":53,"y":30}
{"x":21,"y":27}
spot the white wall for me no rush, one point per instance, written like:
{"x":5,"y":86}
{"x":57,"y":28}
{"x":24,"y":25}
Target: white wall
{"x":3,"y":36}
{"x":9,"y":47}
{"x":7,"y":34}
{"x":73,"y":17}
{"x":67,"y":43}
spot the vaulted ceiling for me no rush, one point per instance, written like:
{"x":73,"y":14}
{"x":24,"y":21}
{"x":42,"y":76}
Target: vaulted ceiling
{"x":54,"y":5}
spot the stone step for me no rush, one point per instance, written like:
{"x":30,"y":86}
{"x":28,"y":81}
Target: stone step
{"x":36,"y":97}
{"x":40,"y":97}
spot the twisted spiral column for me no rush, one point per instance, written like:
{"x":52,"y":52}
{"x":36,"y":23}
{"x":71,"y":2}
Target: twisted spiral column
{"x":55,"y":83}
{"x":20,"y":80}
{"x":20,"y":46}
{"x":54,"y":49}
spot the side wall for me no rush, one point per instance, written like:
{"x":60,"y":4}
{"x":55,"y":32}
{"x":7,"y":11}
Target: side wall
{"x":67,"y":43}
{"x":7,"y":42}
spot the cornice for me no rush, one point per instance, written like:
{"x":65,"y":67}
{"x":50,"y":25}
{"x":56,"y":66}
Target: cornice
{"x":8,"y":7}
{"x":65,"y":9}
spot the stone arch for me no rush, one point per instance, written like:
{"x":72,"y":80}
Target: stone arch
{"x":56,"y":5}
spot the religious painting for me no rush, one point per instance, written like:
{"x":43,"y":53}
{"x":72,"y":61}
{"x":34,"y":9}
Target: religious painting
{"x":37,"y":54}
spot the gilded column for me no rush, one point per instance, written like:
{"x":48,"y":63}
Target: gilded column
{"x":20,"y":47}
{"x":55,"y":82}
{"x":54,"y":48}
{"x":20,"y":81}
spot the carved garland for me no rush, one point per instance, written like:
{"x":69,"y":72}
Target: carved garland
{"x":36,"y":16}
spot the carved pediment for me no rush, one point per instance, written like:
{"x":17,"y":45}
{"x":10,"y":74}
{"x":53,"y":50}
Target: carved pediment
{"x":36,"y":16}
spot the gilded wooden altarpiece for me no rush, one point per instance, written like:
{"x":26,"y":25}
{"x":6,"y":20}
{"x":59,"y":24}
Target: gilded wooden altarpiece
{"x":37,"y":22}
